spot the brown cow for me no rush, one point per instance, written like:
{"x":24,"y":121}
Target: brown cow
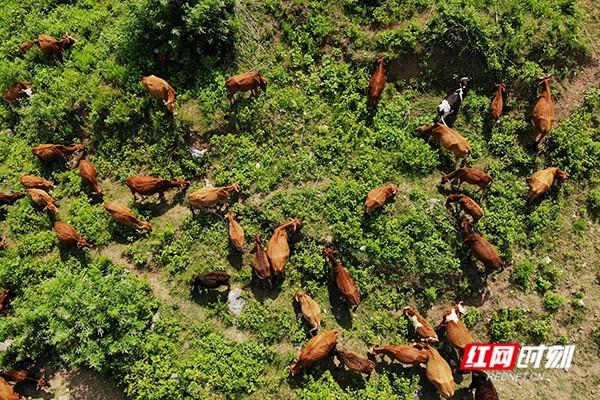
{"x":449,"y":139}
{"x":260,"y":261}
{"x":438,"y":372}
{"x":422,"y":327}
{"x":17,"y":91}
{"x":3,"y":298}
{"x":379,"y":196}
{"x":89,"y":174}
{"x":3,"y":243}
{"x":149,"y":185}
{"x":542,"y":115}
{"x":317,"y":348}
{"x":481,"y":249}
{"x":21,"y":375}
{"x":35,"y":182}
{"x":6,"y":391}
{"x":407,"y":355}
{"x":55,"y":152}
{"x":278,"y":248}
{"x":124,"y":215}
{"x":68,"y":236}
{"x":49,"y":45}
{"x":468,"y":205}
{"x":9,"y":199}
{"x":484,"y":387}
{"x":344,"y":281}
{"x":473,"y":176}
{"x":41,"y":198}
{"x":250,"y":80}
{"x":211,"y":280}
{"x":377,"y":83}
{"x":160,"y":89}
{"x":310,"y":309}
{"x":497,"y":102}
{"x":211,"y":196}
{"x":236,"y":233}
{"x":456,"y":332}
{"x":541,"y":181}
{"x":355,"y":361}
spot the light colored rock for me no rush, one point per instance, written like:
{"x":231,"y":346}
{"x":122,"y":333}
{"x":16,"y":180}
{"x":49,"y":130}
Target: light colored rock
{"x":235,"y":302}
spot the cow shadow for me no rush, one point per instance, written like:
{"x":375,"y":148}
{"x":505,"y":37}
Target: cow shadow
{"x":154,"y":208}
{"x":265,"y":289}
{"x":68,"y":252}
{"x":208,"y":297}
{"x":339,"y":308}
{"x":235,"y":257}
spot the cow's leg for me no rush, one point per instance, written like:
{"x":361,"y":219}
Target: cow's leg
{"x":459,"y":183}
{"x":161,"y":197}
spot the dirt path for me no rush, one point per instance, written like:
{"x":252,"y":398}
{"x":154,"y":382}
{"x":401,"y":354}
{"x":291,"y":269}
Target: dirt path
{"x":574,"y":90}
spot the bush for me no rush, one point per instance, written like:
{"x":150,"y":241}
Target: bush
{"x":522,"y":274}
{"x":553,"y":301}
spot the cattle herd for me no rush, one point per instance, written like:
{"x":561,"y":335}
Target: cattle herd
{"x":269,"y":263}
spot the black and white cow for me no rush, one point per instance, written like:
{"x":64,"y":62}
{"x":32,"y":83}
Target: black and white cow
{"x":448,"y":108}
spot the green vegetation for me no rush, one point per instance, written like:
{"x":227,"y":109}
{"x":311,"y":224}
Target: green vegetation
{"x":309,"y":147}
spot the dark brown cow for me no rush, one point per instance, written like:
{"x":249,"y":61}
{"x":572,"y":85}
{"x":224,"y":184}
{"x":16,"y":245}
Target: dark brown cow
{"x":250,"y":80}
{"x":484,"y":387}
{"x":68,"y":236}
{"x":10,"y":199}
{"x":89,"y":174}
{"x":56,"y":152}
{"x":3,"y":298}
{"x":260,"y":261}
{"x":541,"y":181}
{"x":497,"y":102}
{"x":124,"y":215}
{"x":211,"y":280}
{"x":379,"y":196}
{"x":149,"y":185}
{"x":49,"y":45}
{"x":377,"y":83}
{"x":482,"y":249}
{"x":41,"y":198}
{"x":17,"y":91}
{"x":344,"y":281}
{"x":468,"y":205}
{"x":543,"y":116}
{"x":473,"y":176}
{"x":407,"y":355}
{"x":317,"y":348}
{"x":35,"y":182}
{"x":449,"y":139}
{"x":160,"y":89}
{"x":355,"y":361}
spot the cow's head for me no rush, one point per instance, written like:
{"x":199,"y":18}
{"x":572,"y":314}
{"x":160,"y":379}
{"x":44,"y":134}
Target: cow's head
{"x":145,"y":226}
{"x":451,"y":197}
{"x":182,"y":183}
{"x":445,"y":179}
{"x":409,"y":311}
{"x":263,"y":82}
{"x":392,"y":188}
{"x":562,"y":175}
{"x":25,"y":87}
{"x":380,"y":60}
{"x":295,"y":224}
{"x":460,"y":308}
{"x":501,"y":86}
{"x":466,"y":225}
{"x":67,"y":41}
{"x":464,"y":82}
{"x":171,"y":107}
{"x":423,"y":129}
{"x":234,"y":187}
{"x":298,"y":295}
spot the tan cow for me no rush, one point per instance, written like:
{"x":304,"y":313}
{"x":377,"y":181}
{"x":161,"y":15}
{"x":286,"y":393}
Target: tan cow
{"x":68,"y":236}
{"x":124,"y":215}
{"x":438,"y":372}
{"x":422,"y":327}
{"x":317,"y":348}
{"x":278,"y":248}
{"x":160,"y":89}
{"x":148,"y":185}
{"x":377,"y":83}
{"x":49,"y":45}
{"x":17,"y":91}
{"x":379,"y":196}
{"x":41,"y":198}
{"x":88,"y":172}
{"x":260,"y":261}
{"x":541,"y":181}
{"x":310,"y":310}
{"x":473,"y":176}
{"x":10,"y":199}
{"x":456,"y":332}
{"x":542,"y":115}
{"x":407,"y":355}
{"x":355,"y":361}
{"x":497,"y":102}
{"x":250,"y":80}
{"x":236,"y":233}
{"x":6,"y":391}
{"x":482,"y":250}
{"x":56,"y":152}
{"x":343,"y":280}
{"x":35,"y":182}
{"x":211,"y":196}
{"x":449,"y":139}
{"x":467,"y":204}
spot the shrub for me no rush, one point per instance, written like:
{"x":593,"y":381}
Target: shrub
{"x":522,"y":274}
{"x":553,"y":301}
